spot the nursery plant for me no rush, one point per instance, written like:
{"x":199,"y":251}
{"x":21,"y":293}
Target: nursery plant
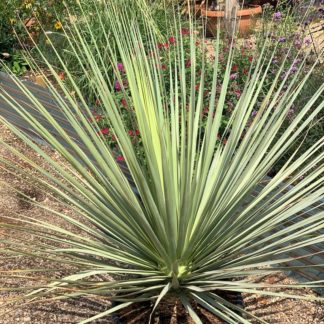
{"x":191,"y":227}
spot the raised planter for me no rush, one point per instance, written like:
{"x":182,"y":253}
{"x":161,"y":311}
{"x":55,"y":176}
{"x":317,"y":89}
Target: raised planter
{"x":245,"y":17}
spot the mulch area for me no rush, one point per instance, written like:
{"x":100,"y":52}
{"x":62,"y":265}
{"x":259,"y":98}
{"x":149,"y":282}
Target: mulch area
{"x":271,"y":309}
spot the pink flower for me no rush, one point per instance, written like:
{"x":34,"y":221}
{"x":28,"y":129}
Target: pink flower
{"x":120,"y":158}
{"x":104,"y":131}
{"x":120,"y":67}
{"x":233,"y":76}
{"x":117,"y":85}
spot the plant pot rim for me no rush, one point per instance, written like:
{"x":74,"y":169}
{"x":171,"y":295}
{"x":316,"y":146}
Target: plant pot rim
{"x":251,"y":10}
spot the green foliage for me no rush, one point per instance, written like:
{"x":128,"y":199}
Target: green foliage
{"x":291,"y":36}
{"x":7,"y":39}
{"x":16,"y":63}
{"x":196,"y":224}
{"x":93,"y":19}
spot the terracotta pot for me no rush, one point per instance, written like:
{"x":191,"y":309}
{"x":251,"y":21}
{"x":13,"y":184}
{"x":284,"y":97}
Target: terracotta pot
{"x":245,"y":18}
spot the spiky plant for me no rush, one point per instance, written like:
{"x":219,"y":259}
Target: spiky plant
{"x":192,"y":227}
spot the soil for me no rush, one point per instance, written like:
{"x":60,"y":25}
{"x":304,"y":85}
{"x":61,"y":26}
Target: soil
{"x":271,"y":309}
{"x":168,"y":312}
{"x":171,"y":311}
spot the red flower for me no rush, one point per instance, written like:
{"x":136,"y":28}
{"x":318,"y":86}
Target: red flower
{"x":251,"y":59}
{"x":163,"y":67}
{"x":188,"y":63}
{"x":197,"y":86}
{"x":172,"y":40}
{"x":98,"y":118}
{"x":137,"y":132}
{"x":120,"y":158}
{"x":245,"y":71}
{"x":161,"y":45}
{"x":238,"y":93}
{"x":98,"y":102}
{"x":206,"y":110}
{"x":104,"y":131}
{"x":61,"y":75}
{"x":185,"y":31}
{"x":130,"y":133}
{"x":124,"y":103}
{"x":234,"y":68}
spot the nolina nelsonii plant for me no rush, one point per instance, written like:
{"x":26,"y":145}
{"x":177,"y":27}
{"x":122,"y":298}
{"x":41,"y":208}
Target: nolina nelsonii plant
{"x":192,"y":227}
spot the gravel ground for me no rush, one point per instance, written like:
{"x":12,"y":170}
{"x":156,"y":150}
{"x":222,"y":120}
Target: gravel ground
{"x":271,"y":309}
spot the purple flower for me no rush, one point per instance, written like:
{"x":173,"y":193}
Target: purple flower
{"x":120,"y":67}
{"x":293,"y":69}
{"x":282,"y":39}
{"x":254,"y":112}
{"x":298,"y":42}
{"x":233,"y":76}
{"x":277,"y":15}
{"x":291,"y":114}
{"x":307,"y":41}
{"x":296,"y":61}
{"x":118,"y":85}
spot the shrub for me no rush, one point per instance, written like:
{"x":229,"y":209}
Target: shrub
{"x":192,"y":229}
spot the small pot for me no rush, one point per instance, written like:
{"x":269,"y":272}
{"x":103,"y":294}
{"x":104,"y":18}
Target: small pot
{"x":245,"y":18}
